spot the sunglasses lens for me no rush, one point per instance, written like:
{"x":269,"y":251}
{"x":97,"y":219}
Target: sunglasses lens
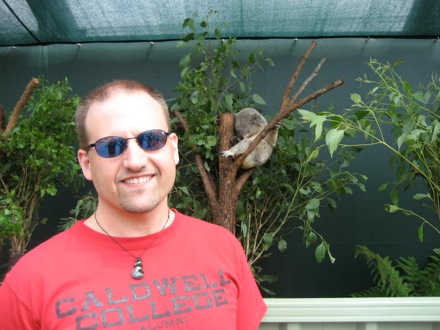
{"x":111,"y":146}
{"x":152,"y":140}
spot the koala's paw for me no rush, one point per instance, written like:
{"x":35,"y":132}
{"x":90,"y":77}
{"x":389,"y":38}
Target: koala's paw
{"x":227,"y":153}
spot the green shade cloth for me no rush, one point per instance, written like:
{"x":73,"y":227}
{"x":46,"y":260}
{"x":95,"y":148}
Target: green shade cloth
{"x":33,"y":22}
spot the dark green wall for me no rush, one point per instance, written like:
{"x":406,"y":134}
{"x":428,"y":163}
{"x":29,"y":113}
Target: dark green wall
{"x":359,"y":219}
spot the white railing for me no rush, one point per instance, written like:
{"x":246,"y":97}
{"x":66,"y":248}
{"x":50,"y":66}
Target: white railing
{"x":421,"y":313}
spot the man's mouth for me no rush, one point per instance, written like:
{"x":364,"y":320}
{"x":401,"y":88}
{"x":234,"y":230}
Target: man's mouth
{"x":142,"y":179}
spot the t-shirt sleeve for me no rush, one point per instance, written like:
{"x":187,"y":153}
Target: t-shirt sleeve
{"x":14,"y":314}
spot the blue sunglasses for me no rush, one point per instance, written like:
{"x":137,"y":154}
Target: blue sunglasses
{"x":114,"y":146}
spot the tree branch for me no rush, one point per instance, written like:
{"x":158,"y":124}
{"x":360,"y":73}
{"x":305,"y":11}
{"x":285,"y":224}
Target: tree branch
{"x":287,"y":105}
{"x":304,"y":84}
{"x":31,"y":86}
{"x":299,"y":67}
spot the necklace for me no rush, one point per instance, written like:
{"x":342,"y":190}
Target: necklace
{"x":137,"y":272}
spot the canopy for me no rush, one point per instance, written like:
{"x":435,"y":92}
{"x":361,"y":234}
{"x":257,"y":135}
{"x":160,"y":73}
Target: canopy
{"x":41,"y":22}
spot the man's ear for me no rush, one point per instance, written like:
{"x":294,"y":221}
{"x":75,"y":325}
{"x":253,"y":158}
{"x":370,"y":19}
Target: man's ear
{"x":175,"y":143}
{"x":84,"y":162}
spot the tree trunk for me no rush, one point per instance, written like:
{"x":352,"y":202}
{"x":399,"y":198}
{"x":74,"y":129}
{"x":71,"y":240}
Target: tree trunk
{"x":224,"y":215}
{"x":14,"y":256}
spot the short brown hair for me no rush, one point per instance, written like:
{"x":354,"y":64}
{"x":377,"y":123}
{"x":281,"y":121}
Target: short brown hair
{"x":103,"y":93}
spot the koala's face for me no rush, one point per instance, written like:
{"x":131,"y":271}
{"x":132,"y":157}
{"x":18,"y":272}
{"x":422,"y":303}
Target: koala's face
{"x":248,"y":123}
{"x":243,"y":128}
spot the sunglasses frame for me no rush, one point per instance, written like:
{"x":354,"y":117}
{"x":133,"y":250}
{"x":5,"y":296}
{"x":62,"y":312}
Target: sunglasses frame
{"x":122,"y":142}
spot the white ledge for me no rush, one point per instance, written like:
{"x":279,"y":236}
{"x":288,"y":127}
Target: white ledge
{"x":325,"y":310}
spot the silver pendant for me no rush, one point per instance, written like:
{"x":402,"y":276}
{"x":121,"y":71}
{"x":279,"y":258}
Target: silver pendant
{"x":137,"y":272}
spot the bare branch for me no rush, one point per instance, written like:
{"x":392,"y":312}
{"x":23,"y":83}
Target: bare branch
{"x":298,"y":69}
{"x":182,"y":120}
{"x":239,"y":183}
{"x":305,"y":83}
{"x":30,"y":88}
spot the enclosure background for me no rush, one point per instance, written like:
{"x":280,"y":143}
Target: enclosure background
{"x":359,"y":219}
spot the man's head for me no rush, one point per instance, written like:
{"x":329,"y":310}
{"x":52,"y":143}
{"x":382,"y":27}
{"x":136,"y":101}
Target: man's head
{"x":103,"y":93}
{"x":136,"y":171}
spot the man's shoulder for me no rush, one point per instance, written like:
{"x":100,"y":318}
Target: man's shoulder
{"x":47,"y":251}
{"x":203,"y":225}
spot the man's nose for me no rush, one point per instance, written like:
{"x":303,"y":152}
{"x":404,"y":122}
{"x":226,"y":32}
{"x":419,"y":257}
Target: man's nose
{"x":134,"y":156}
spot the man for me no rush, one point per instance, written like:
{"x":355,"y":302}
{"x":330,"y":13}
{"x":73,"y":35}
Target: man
{"x":134,"y":264}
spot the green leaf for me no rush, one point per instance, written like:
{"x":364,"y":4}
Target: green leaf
{"x":313,"y":204}
{"x":195,"y":97}
{"x":311,"y":239}
{"x":188,"y":22}
{"x":184,"y":189}
{"x":268,"y":239}
{"x":184,"y":61}
{"x":212,"y":140}
{"x":401,"y":139}
{"x":313,"y":155}
{"x":307,"y":115}
{"x":420,"y":232}
{"x":435,"y":132}
{"x":229,"y":101}
{"x":52,"y":191}
{"x":258,"y":99}
{"x":361,"y":114}
{"x":180,"y":44}
{"x":394,"y":195}
{"x":315,"y":120}
{"x":332,"y":259}
{"x":206,"y":166}
{"x":319,"y":122}
{"x":383,"y":187}
{"x":421,"y":196}
{"x":282,"y":245}
{"x":242,"y":86}
{"x":356,"y":98}
{"x":244,"y":229}
{"x":332,"y":139}
{"x":392,"y":208}
{"x":320,"y":253}
{"x":252,"y":58}
{"x":407,"y":88}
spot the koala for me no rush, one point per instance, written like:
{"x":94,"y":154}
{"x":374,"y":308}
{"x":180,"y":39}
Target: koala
{"x":248,"y":123}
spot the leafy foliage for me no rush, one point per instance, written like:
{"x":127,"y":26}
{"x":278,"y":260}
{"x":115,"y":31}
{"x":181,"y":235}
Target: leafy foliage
{"x":402,"y":277}
{"x":404,"y":121}
{"x":290,"y":191}
{"x":213,"y":81}
{"x":36,"y":154}
{"x":286,"y":193}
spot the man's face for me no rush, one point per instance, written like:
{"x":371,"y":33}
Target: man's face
{"x":136,"y":181}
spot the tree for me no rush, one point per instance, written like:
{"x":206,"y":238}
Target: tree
{"x":36,"y":148}
{"x":214,"y":84}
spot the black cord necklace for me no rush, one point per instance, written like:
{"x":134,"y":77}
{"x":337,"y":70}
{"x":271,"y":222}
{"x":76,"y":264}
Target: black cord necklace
{"x":137,"y":272}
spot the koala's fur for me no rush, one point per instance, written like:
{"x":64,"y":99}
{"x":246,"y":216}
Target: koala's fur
{"x":248,"y":124}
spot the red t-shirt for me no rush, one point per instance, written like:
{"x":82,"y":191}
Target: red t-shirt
{"x":196,"y":277}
